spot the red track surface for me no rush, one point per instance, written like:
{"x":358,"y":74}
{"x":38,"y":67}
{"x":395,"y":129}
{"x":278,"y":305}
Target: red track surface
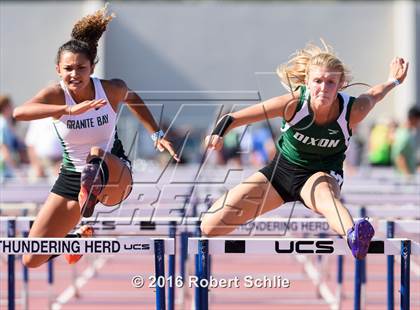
{"x":111,"y":287}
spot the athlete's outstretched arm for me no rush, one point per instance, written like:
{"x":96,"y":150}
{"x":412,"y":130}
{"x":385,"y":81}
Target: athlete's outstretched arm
{"x":274,"y":107}
{"x":140,"y":110}
{"x":366,"y":101}
{"x":47,"y":104}
{"x":281,"y":106}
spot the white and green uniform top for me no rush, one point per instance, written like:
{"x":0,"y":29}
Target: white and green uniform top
{"x":78,"y":133}
{"x":312,"y":146}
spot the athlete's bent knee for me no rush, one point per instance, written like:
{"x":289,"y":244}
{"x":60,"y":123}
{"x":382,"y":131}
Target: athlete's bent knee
{"x":209,"y":229}
{"x":31,"y":261}
{"x":206,"y":228}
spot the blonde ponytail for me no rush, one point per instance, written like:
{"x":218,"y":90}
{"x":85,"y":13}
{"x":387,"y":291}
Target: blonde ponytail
{"x":294,"y":73}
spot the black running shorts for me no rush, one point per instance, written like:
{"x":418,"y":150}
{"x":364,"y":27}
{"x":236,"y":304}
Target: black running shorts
{"x":288,"y":179}
{"x":67,"y":185}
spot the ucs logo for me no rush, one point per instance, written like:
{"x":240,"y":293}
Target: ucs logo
{"x":137,"y":246}
{"x":101,"y":225}
{"x":306,"y":246}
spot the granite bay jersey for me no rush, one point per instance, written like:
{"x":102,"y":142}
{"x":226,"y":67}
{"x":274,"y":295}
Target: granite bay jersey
{"x":78,"y":133}
{"x":312,"y":146}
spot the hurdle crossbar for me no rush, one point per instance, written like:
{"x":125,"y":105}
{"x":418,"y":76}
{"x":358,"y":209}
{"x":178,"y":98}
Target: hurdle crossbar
{"x":275,"y":246}
{"x":119,"y":245}
{"x":262,"y":226}
{"x":111,"y":226}
{"x":204,"y":247}
{"x":127,"y":245}
{"x":400,"y":226}
{"x":159,"y":226}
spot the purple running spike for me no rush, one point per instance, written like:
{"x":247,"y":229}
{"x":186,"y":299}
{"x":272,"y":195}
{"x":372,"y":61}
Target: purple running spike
{"x":358,"y":238}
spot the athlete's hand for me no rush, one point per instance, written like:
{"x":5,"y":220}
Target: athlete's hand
{"x":398,"y":69}
{"x":163,"y":144}
{"x":84,"y":106}
{"x":214,"y":142}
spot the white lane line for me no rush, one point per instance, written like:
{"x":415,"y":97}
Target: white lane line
{"x":315,"y":276}
{"x":80,"y":281}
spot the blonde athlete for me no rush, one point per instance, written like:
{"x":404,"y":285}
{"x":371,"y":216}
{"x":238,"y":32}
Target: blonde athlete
{"x":317,"y":125}
{"x":84,"y":111}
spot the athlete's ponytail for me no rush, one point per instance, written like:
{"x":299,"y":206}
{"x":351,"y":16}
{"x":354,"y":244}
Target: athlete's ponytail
{"x":86,"y":34}
{"x":294,"y":73}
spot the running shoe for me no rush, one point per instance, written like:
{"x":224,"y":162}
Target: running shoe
{"x":84,"y":231}
{"x":90,"y":187}
{"x":358,"y":238}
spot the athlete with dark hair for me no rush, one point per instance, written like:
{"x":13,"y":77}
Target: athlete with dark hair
{"x":84,"y":111}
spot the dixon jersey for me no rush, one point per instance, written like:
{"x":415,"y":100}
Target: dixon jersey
{"x":312,"y":146}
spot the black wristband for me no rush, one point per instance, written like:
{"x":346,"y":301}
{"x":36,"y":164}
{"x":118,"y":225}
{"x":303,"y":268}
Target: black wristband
{"x":222,"y":125}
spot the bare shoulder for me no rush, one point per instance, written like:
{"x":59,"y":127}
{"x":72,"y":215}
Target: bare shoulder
{"x":285,"y":105}
{"x":52,"y":94}
{"x":115,"y":85}
{"x":116,"y":90}
{"x":359,"y":109}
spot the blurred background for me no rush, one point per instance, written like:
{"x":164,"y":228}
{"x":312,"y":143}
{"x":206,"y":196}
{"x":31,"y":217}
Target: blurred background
{"x":193,"y":60}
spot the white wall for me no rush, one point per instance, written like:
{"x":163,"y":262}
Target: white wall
{"x":221,"y":45}
{"x":30,"y":34}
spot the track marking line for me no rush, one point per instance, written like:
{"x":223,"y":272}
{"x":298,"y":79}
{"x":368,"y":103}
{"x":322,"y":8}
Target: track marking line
{"x":80,"y":281}
{"x":315,"y":276}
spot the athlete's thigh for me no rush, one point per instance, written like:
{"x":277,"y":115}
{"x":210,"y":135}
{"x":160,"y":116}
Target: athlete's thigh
{"x":119,"y":184}
{"x":319,"y":190}
{"x":56,"y":218}
{"x":245,"y":201}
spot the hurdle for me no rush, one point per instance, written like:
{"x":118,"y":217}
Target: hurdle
{"x":157,"y":247}
{"x":260,"y":226}
{"x":11,"y":225}
{"x":106,"y":227}
{"x":392,"y":228}
{"x":204,"y":247}
{"x":159,"y":226}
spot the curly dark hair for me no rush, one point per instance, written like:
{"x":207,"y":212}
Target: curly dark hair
{"x":86,"y":34}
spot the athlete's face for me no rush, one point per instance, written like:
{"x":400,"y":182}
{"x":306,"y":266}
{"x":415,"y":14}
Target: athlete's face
{"x":75,"y":70}
{"x":323,"y":84}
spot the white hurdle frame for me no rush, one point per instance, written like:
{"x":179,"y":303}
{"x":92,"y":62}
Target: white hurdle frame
{"x":158,"y":247}
{"x":203,"y":247}
{"x":159,"y":226}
